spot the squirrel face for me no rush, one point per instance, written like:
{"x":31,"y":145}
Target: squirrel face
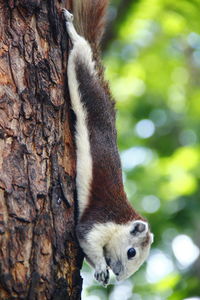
{"x":128,"y":248}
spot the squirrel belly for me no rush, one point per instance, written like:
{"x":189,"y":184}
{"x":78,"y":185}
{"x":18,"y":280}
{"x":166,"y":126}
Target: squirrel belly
{"x":110,"y":232}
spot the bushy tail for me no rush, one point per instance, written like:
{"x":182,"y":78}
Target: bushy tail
{"x":89,"y":19}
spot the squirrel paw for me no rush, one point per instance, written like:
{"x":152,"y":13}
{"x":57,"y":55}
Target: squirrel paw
{"x":102,"y":274}
{"x":68,"y":16}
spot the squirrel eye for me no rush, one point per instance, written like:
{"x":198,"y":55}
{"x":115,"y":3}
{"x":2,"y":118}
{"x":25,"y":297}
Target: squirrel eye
{"x":131,"y":253}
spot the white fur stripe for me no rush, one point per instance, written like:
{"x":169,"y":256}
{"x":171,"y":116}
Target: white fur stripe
{"x":82,"y":50}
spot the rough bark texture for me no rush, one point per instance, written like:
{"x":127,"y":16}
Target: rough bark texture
{"x":39,"y":257}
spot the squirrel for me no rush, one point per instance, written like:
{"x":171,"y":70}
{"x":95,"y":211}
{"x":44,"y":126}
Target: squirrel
{"x":110,"y":232}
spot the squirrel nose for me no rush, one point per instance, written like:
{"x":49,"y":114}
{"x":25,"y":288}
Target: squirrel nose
{"x":118,"y":268}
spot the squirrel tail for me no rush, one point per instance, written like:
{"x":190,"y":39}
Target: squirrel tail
{"x":89,"y":19}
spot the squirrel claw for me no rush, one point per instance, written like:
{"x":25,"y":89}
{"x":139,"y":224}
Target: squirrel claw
{"x":102,"y":276}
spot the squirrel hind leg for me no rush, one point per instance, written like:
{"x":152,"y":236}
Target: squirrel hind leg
{"x":67,"y":15}
{"x":74,"y":37}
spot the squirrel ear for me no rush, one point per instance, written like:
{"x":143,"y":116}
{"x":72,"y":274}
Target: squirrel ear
{"x":139,"y":227}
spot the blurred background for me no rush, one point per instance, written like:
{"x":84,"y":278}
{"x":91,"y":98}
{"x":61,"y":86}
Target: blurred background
{"x":152,"y":59}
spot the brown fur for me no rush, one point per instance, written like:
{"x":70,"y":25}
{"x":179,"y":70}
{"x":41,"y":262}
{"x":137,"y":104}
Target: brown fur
{"x":89,"y":19}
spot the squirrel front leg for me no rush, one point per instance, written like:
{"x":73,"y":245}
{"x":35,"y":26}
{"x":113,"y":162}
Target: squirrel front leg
{"x":92,"y":244}
{"x":96,"y":258}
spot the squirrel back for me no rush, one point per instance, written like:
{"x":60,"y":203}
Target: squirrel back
{"x":89,"y":19}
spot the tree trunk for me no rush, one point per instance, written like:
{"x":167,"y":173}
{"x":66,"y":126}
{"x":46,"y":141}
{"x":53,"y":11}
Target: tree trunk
{"x":39,"y":255}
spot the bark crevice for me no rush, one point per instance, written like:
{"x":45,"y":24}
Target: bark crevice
{"x":39,"y":254}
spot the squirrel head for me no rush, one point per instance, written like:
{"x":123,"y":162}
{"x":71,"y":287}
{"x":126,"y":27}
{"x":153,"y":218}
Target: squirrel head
{"x":128,"y":248}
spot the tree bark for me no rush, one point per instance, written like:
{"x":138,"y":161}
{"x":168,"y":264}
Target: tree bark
{"x":39,"y":255}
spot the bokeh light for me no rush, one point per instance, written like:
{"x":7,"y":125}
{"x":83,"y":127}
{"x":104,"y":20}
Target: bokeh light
{"x":185,"y":251}
{"x":145,"y":128}
{"x":135,"y":156}
{"x":158,"y":266}
{"x":150,"y":203}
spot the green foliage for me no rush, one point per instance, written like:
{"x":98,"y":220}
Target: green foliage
{"x":153,"y":66}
